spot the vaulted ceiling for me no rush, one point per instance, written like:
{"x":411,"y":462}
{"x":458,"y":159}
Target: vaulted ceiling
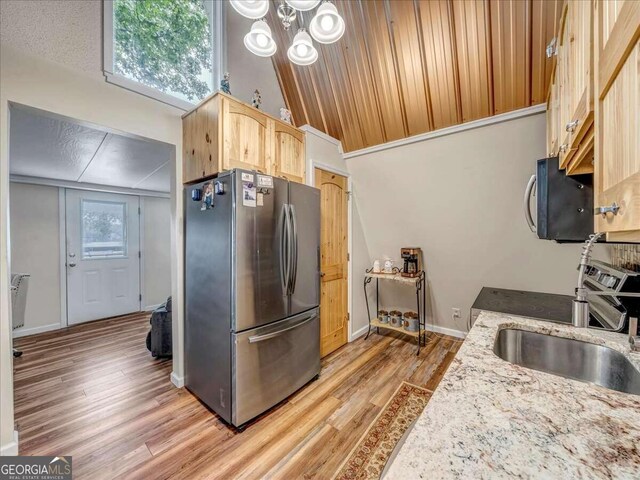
{"x":405,"y":67}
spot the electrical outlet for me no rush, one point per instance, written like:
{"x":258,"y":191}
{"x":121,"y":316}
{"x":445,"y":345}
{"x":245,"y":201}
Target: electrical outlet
{"x":455,"y":312}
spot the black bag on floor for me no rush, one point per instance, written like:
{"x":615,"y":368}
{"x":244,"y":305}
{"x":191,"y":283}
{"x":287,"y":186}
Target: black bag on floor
{"x":159,"y":338}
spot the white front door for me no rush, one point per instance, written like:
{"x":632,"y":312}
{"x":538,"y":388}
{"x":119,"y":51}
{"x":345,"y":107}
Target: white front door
{"x":102,"y":255}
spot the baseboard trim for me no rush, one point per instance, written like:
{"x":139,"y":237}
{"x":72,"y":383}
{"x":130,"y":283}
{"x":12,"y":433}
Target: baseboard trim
{"x":11,"y":448}
{"x":177,"y":380}
{"x":25,"y":332}
{"x":151,"y":308}
{"x":358,"y":333}
{"x":446,"y":331}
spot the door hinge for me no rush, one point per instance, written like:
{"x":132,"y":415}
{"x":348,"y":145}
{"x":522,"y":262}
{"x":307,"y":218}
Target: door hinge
{"x":139,"y":254}
{"x":139,"y":210}
{"x":348,"y":317}
{"x":348,"y":256}
{"x":140,"y":297}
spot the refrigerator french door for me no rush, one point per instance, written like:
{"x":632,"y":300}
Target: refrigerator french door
{"x":251,"y":291}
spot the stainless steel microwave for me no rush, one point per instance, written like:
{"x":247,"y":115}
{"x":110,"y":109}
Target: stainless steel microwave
{"x":563,"y":205}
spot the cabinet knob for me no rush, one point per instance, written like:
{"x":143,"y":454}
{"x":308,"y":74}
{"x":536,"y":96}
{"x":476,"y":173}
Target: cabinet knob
{"x":571,"y":126}
{"x":603,"y":210}
{"x":563,"y":148}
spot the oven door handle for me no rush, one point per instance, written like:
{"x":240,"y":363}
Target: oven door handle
{"x":526,"y":204}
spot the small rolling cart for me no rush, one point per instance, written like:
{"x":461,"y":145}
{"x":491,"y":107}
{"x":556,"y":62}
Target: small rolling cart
{"x":418,"y":282}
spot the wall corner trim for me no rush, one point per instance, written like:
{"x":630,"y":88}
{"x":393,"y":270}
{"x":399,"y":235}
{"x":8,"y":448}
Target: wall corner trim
{"x":10,"y":449}
{"x":177,"y":380}
{"x":482,"y":122}
{"x":319,"y":133}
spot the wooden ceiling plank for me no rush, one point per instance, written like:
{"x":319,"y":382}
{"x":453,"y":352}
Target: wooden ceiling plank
{"x":436,"y":24}
{"x":405,"y":41}
{"x":472,"y":30}
{"x":511,"y":53}
{"x":353,"y":49}
{"x":334,"y":63}
{"x":385,"y":78}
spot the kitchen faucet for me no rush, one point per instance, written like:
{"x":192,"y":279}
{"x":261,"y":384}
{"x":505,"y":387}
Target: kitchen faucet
{"x":580,"y":308}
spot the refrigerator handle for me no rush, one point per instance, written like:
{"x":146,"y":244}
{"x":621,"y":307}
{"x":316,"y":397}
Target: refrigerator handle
{"x":294,"y":249}
{"x":284,"y":250}
{"x":527,"y":207}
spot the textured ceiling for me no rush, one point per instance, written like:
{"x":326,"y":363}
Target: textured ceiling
{"x":47,"y":146}
{"x":406,"y":67}
{"x":65,"y":32}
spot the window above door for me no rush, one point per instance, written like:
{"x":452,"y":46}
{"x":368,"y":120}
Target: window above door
{"x":169,"y":50}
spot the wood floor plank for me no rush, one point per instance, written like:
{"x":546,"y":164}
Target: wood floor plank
{"x":93,"y":391}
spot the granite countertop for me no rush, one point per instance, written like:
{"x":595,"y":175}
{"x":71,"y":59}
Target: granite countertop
{"x":492,"y":419}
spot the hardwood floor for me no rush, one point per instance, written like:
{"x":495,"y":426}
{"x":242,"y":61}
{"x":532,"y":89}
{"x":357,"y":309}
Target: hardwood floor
{"x":93,"y":391}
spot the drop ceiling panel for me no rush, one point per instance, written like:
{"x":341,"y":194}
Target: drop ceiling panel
{"x":125,"y":162}
{"x":42,"y":146}
{"x":159,"y":181}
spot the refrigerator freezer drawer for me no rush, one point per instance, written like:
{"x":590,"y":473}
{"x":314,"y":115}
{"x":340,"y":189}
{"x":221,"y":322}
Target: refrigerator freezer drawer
{"x":272,"y":362}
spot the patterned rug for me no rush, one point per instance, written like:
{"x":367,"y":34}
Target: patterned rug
{"x":369,"y":456}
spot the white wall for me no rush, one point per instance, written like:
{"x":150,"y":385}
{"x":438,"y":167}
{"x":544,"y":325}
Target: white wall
{"x":249,"y":72}
{"x":459,"y":198}
{"x":156,"y":250}
{"x":35,"y":249}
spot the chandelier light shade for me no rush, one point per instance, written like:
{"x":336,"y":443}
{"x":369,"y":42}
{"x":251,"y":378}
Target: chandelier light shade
{"x":251,"y":8}
{"x":303,"y":5}
{"x":302,"y":51}
{"x":259,"y":40}
{"x":327,"y":26}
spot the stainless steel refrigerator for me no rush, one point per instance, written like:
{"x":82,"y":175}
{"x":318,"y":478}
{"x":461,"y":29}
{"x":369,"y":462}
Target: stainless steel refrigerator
{"x":252,"y":271}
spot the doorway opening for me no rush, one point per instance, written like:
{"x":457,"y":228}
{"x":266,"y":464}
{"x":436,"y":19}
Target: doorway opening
{"x":90,"y":226}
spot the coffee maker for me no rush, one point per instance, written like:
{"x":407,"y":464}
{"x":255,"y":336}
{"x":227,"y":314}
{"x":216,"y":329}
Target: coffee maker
{"x":412,"y":257}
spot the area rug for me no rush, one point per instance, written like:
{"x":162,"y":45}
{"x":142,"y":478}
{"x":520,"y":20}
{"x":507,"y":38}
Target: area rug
{"x":368,"y":458}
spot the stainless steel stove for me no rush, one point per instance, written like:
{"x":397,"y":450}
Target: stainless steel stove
{"x":611,"y":312}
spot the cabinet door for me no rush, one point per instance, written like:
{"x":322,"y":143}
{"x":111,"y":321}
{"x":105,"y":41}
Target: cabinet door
{"x":580,"y":66}
{"x":617,"y":163}
{"x":200,"y":143}
{"x":289,"y":155}
{"x":247,"y":143}
{"x":564,"y":89}
{"x":552,"y":117}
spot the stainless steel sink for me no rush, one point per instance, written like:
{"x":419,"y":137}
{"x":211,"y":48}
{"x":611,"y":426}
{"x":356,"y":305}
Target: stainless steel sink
{"x":568,"y":358}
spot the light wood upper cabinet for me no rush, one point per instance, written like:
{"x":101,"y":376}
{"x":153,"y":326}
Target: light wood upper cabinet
{"x":289,"y":152}
{"x":576,"y":93}
{"x":201,"y":149}
{"x":222,"y":133}
{"x":245,"y":133}
{"x":617,"y":118}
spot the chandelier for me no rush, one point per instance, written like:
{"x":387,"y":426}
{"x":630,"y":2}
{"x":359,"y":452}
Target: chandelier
{"x":326,"y":26}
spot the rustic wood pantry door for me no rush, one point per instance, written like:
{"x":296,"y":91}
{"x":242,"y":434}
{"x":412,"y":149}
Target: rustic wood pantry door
{"x":334,"y":317}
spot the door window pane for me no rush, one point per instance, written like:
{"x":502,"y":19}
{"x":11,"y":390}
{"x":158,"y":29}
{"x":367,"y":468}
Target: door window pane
{"x":104,"y":229}
{"x":166,"y":45}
